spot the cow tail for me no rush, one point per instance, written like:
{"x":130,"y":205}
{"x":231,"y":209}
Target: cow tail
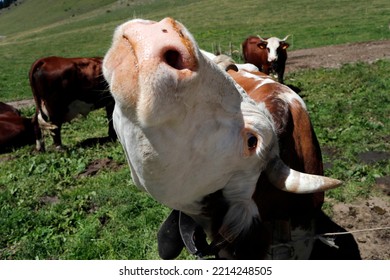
{"x":45,"y":125}
{"x":41,"y":118}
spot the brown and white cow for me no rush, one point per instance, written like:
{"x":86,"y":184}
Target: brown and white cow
{"x":269,"y":55}
{"x":64,"y":88}
{"x":15,"y":130}
{"x":197,"y":142}
{"x":224,"y":62}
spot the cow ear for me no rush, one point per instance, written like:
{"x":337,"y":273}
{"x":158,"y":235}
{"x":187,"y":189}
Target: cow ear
{"x":285,"y":45}
{"x":262,"y":45}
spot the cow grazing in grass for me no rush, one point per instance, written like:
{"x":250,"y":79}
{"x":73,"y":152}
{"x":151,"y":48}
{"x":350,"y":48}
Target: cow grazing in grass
{"x":64,"y":88}
{"x":15,"y":130}
{"x":269,"y":55}
{"x":198,"y":143}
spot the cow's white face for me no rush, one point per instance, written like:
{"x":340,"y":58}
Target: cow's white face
{"x":273,"y":44}
{"x":186,"y":128}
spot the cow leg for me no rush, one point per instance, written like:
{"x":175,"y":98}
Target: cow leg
{"x":39,"y":141}
{"x":280,"y":76}
{"x":56,"y":134}
{"x":111,"y":131}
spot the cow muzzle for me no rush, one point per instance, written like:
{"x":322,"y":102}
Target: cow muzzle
{"x":146,"y":64}
{"x":165,"y":42}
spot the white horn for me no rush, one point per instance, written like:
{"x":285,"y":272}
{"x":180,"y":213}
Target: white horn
{"x":264,"y":40}
{"x":289,"y":180}
{"x":285,"y":38}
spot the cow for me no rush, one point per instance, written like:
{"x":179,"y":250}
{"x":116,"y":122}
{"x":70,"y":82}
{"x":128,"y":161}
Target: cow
{"x":64,"y":88}
{"x":224,"y":62}
{"x":199,"y":144}
{"x":15,"y":130}
{"x":269,"y":54}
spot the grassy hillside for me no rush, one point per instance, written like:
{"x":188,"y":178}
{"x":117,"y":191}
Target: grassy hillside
{"x":33,"y":15}
{"x":39,"y":28}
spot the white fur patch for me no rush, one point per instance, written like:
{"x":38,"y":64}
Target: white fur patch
{"x":208,"y":55}
{"x":290,"y":96}
{"x":247,"y":66}
{"x":285,"y":94}
{"x":44,"y":109}
{"x":260,"y":80}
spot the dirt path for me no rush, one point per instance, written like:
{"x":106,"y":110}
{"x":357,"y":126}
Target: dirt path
{"x":336,"y":56}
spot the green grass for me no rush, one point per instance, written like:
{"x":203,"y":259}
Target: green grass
{"x":48,"y":211}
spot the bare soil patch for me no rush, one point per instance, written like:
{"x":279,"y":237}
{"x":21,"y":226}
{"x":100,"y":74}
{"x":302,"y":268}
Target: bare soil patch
{"x":369,"y":222}
{"x":336,"y":56}
{"x":100,"y":164}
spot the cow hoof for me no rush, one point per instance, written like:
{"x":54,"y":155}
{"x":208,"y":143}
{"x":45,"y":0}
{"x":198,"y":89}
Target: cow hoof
{"x":40,"y":150}
{"x":60,"y":148}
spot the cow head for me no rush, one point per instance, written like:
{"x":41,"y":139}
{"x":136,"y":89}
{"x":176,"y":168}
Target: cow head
{"x":188,"y":130}
{"x":273,"y":46}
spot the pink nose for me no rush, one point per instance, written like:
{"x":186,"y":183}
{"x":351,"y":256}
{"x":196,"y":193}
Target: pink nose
{"x":166,"y":42}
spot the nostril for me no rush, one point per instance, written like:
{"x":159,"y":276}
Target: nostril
{"x":174,"y":59}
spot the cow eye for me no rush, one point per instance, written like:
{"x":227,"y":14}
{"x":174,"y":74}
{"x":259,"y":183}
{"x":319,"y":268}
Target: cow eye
{"x":252,"y":142}
{"x":268,"y":49}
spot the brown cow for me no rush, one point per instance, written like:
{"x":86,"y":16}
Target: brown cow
{"x":15,"y":130}
{"x":269,"y":55}
{"x":64,"y":88}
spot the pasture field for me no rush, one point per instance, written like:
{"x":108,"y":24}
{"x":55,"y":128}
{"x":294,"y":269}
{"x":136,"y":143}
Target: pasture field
{"x":82,"y":204}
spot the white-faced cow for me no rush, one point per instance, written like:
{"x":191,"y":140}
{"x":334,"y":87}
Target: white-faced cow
{"x":64,"y":88}
{"x":269,"y":55}
{"x":15,"y":130}
{"x":198,"y":143}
